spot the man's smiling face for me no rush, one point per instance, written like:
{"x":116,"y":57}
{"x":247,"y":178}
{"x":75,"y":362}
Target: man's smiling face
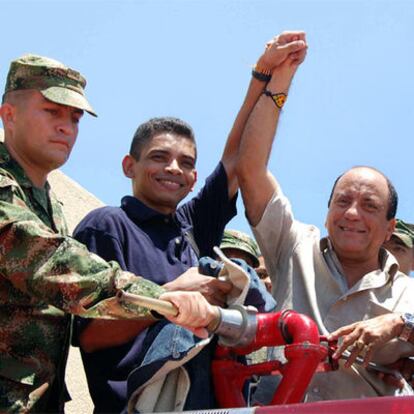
{"x":165,"y":172}
{"x":357,"y":221}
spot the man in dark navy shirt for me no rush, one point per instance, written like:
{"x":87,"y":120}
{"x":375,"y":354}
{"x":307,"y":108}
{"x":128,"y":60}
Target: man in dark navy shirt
{"x":151,"y":236}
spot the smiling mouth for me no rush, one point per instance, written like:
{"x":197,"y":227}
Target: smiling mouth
{"x":171,"y":185}
{"x":351,"y":230}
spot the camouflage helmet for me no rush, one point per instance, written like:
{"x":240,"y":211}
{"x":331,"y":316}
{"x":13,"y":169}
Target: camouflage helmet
{"x":55,"y":81}
{"x":405,"y":232}
{"x":234,"y":239}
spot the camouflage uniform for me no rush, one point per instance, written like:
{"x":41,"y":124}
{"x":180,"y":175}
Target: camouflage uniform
{"x":235,"y":239}
{"x":405,"y":232}
{"x":44,"y":274}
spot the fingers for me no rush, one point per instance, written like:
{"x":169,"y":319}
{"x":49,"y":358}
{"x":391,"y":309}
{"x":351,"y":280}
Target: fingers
{"x":279,"y":48}
{"x":369,"y":350}
{"x":340,"y":332}
{"x":194,"y":312}
{"x":355,"y":350}
{"x":200,"y":332}
{"x":290,"y":36}
{"x":347,"y":340}
{"x":223,"y":286}
{"x":292,"y":47}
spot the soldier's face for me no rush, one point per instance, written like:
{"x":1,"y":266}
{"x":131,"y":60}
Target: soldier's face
{"x":403,"y":254}
{"x":44,"y":132}
{"x":165,"y":172}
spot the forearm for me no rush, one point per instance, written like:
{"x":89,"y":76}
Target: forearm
{"x":231,"y":150}
{"x":277,"y":51}
{"x":61,"y":272}
{"x":102,"y":334}
{"x":256,"y":184}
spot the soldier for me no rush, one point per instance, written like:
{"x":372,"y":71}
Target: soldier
{"x":44,"y":273}
{"x":236,"y":244}
{"x":401,"y":245}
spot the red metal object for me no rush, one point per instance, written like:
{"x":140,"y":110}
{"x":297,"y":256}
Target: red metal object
{"x":380,"y":405}
{"x":303,"y":352}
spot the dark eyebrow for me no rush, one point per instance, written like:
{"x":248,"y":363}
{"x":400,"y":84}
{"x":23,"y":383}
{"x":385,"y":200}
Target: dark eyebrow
{"x":158,"y":150}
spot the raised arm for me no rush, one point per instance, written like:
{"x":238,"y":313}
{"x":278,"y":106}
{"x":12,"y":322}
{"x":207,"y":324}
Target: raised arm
{"x":256,"y":183}
{"x":288,"y":44}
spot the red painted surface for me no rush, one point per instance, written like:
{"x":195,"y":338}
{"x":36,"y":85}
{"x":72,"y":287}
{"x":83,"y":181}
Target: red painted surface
{"x":303,"y":355}
{"x":380,"y":405}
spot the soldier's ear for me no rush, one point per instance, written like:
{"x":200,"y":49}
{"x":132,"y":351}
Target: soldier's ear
{"x":128,"y":166}
{"x":7,"y":114}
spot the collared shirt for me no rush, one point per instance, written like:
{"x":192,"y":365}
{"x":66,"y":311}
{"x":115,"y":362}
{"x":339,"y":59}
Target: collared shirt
{"x":43,"y":274}
{"x":118,"y":234}
{"x":307,"y":277}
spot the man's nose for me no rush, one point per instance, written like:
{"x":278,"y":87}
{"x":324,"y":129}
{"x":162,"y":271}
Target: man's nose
{"x":352,"y":211}
{"x":67,"y":127}
{"x":174,"y":167}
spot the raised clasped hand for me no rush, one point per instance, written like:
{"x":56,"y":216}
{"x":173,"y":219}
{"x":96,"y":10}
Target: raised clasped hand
{"x":289,"y":46}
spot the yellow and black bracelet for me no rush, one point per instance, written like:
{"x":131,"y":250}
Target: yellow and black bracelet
{"x":279,"y":99}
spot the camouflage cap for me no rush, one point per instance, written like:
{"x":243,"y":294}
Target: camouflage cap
{"x":234,"y":239}
{"x":53,"y":79}
{"x":405,"y":232}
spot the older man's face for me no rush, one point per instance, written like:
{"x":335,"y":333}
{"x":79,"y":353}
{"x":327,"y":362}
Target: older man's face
{"x":356,"y":222}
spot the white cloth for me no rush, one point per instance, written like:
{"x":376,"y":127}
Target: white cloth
{"x":302,"y":270}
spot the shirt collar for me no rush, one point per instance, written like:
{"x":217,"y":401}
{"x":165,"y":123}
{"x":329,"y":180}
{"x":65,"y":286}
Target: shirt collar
{"x":388,"y":263}
{"x":139,"y":212}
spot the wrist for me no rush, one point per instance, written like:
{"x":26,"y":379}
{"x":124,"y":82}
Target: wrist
{"x":406,"y":333}
{"x":261,"y":73}
{"x":280,"y":82}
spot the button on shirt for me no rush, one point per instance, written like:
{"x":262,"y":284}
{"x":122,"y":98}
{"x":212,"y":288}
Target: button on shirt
{"x":156,"y":247}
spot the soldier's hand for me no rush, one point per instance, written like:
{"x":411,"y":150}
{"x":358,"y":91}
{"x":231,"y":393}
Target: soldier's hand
{"x":213,"y":289}
{"x":289,"y":46}
{"x":194,"y":312}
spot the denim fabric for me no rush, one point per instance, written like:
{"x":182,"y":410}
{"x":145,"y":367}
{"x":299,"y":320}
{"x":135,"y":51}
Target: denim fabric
{"x":165,"y":342}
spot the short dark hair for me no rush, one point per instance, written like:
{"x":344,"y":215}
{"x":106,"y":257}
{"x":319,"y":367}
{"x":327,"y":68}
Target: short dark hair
{"x":155,"y":126}
{"x":392,"y":192}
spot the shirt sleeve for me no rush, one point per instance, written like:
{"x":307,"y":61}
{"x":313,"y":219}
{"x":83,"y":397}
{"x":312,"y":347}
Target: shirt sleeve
{"x":210,"y":211}
{"x":101,"y":243}
{"x":277,"y":235}
{"x":58,"y":270}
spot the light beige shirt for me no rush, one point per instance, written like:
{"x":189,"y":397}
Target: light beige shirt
{"x":306,"y":277}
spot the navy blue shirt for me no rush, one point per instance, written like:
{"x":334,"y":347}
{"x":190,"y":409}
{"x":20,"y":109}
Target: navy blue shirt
{"x":155,"y":246}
